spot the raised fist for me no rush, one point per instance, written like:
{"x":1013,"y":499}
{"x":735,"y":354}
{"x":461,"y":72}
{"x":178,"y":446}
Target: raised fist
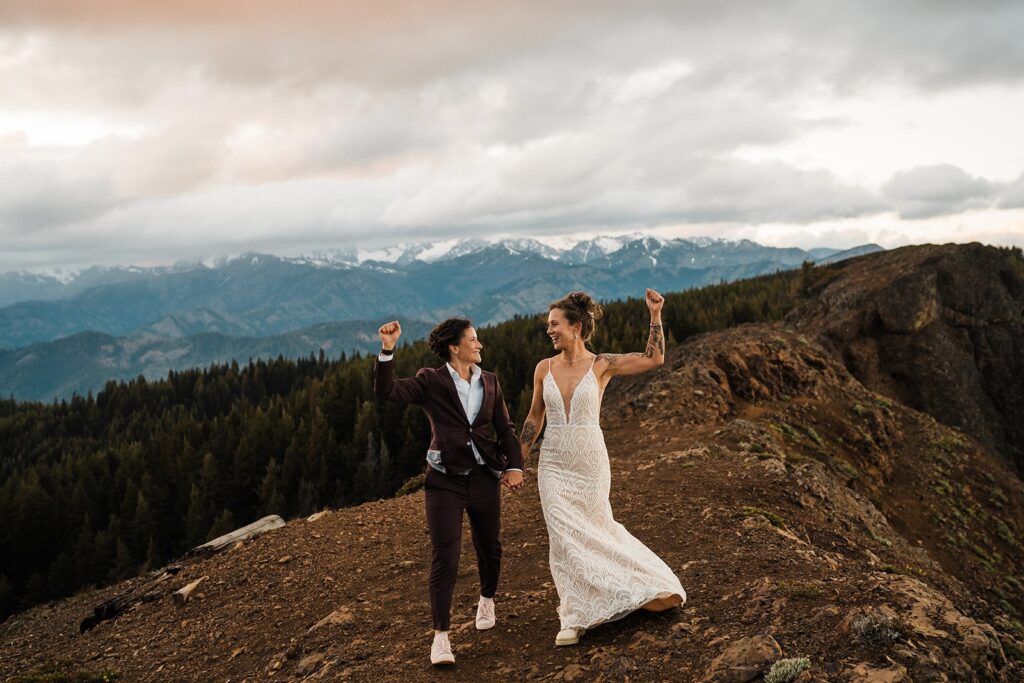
{"x":389,"y":334}
{"x":654,"y":301}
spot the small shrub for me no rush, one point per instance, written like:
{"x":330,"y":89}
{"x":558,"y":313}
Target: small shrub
{"x":861,"y":410}
{"x":775,"y":520}
{"x":866,"y":440}
{"x":905,"y":570}
{"x":1004,"y":533}
{"x":799,"y":589}
{"x":950,"y":444}
{"x":844,"y":466}
{"x":1013,"y":652}
{"x":885,"y":404}
{"x":999,"y":497}
{"x":876,"y":631}
{"x":790,"y":431}
{"x":881,"y":539}
{"x":412,"y":485}
{"x":786,"y":670}
{"x":979,"y":551}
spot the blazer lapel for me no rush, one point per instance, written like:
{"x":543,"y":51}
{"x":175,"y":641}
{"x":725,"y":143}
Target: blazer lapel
{"x":446,"y":379}
{"x":487,"y":404}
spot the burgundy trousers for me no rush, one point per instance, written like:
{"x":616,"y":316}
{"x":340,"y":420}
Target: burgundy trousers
{"x":447,"y":496}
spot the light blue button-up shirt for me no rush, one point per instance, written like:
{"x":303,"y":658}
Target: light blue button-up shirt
{"x":471,"y":395}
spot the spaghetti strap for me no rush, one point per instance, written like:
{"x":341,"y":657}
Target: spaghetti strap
{"x":549,"y":366}
{"x":592,"y":361}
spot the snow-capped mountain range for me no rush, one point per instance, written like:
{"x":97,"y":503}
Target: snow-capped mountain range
{"x":48,"y":281}
{"x":252,"y":296}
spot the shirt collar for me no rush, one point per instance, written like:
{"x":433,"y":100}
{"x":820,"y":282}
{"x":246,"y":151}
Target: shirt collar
{"x":474,"y":369}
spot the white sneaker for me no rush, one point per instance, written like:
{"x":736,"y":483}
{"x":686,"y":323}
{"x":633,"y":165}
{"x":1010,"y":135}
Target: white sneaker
{"x":569,"y":636}
{"x":441,"y":650}
{"x":485,"y":614}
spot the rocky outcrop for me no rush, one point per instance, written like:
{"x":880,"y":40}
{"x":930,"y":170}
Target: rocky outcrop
{"x":939,"y":328}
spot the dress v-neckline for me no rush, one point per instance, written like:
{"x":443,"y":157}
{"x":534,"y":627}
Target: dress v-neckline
{"x":568,"y":410}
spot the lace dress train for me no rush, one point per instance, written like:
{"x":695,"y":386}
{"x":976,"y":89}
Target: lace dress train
{"x":601,"y":572}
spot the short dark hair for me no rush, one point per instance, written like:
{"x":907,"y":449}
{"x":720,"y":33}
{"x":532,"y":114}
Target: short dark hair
{"x":447,"y":333}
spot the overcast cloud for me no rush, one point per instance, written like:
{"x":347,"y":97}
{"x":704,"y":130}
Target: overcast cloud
{"x":148,"y":132}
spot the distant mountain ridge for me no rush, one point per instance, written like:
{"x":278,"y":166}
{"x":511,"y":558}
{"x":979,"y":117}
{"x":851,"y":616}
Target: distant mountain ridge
{"x":193,"y":313}
{"x":86,"y":361}
{"x":57,"y":283}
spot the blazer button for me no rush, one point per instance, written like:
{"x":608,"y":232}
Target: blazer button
{"x":469,"y":443}
{"x":470,"y":430}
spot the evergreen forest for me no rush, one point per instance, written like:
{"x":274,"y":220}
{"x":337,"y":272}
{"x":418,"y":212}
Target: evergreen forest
{"x":95,"y":489}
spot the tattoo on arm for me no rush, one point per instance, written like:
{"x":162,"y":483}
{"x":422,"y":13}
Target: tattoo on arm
{"x":616,"y":358}
{"x":656,"y":342}
{"x":655,"y":347}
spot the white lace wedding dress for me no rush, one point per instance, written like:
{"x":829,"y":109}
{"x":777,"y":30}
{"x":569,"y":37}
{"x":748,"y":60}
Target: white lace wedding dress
{"x":601,"y":571}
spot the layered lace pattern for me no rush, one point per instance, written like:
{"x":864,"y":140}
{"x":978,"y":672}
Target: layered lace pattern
{"x":600,"y":570}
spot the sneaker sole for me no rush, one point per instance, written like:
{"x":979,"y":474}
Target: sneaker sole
{"x":483,"y":628}
{"x":443,"y":662}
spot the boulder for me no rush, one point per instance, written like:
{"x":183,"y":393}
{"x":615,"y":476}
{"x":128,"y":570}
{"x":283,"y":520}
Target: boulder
{"x":744,"y":660}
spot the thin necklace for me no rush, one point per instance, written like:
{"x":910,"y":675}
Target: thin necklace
{"x":573,"y":362}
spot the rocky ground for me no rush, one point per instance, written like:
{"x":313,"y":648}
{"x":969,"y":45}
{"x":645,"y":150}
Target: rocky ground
{"x":805,"y":515}
{"x":938,"y":327}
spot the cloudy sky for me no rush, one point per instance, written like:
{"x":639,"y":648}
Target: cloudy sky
{"x":147,"y":132}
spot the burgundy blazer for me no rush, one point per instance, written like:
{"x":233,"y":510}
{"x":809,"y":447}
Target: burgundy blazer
{"x":450,"y":431}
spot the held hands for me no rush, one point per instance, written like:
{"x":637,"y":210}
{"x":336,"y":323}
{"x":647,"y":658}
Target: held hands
{"x":513,"y":480}
{"x":654,"y":301}
{"x":389,"y":334}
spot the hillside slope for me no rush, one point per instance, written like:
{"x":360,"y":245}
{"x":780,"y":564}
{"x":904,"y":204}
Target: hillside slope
{"x":797,"y":507}
{"x":937,"y":327}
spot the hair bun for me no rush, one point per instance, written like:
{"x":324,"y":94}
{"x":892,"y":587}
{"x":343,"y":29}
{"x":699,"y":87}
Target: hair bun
{"x":586,"y":304}
{"x":580,"y":307}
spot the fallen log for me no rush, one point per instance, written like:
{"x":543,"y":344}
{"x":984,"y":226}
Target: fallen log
{"x":153,"y":590}
{"x":268,"y":523}
{"x":119,"y":604}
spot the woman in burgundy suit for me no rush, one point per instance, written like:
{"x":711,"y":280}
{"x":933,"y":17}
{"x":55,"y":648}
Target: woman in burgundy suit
{"x":473,"y":450}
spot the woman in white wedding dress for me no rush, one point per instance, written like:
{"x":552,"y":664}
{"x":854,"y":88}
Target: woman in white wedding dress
{"x":601,"y":572}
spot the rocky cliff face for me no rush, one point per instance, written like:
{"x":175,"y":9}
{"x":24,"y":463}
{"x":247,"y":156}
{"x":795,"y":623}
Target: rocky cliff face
{"x":938,"y":328}
{"x":806,"y":515}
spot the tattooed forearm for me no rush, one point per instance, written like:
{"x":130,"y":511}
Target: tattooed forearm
{"x":656,"y":342}
{"x":631,"y":363}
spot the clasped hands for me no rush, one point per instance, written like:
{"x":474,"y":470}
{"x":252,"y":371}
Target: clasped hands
{"x":512,"y":480}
